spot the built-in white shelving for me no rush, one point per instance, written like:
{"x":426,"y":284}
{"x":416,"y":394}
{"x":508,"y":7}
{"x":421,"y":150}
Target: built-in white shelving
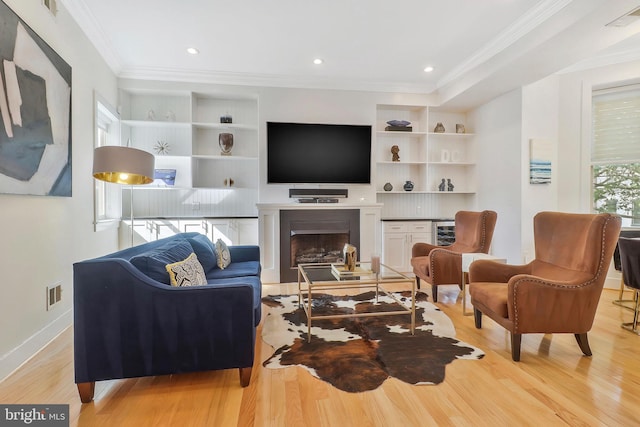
{"x":425,"y":158}
{"x":189,"y":123}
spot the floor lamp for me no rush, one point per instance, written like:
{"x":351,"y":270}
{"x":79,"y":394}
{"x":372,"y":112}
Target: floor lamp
{"x":123,"y":165}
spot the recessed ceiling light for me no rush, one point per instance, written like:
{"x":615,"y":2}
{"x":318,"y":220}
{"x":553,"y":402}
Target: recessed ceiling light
{"x":318,"y":61}
{"x":193,"y":51}
{"x":428,"y":69}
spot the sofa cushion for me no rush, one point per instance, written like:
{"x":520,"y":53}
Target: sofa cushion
{"x":222,"y":253}
{"x":187,"y":273}
{"x":236,"y":269}
{"x":154,"y":262}
{"x":205,"y":251}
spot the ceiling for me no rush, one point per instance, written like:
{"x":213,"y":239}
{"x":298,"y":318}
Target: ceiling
{"x":479,"y":49}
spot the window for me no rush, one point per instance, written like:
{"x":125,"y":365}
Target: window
{"x":615,"y":152}
{"x":107,"y":198}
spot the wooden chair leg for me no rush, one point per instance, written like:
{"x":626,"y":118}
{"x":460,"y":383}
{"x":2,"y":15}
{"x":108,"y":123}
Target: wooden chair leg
{"x":516,"y":340}
{"x":583,"y":342}
{"x":477,"y":316}
{"x":86,"y":391}
{"x":245,"y":376}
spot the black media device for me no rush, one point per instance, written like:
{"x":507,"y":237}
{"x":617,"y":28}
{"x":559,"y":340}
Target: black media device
{"x":310,"y":153}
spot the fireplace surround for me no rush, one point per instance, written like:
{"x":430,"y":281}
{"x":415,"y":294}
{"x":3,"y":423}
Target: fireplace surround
{"x":313,"y":236}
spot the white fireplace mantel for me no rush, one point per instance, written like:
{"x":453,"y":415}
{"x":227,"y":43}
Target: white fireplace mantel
{"x":269,"y":231}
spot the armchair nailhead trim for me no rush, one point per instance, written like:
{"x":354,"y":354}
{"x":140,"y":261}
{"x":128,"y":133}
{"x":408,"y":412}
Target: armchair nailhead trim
{"x":580,"y":285}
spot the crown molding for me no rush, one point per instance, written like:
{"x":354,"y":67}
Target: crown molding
{"x":270,"y":80}
{"x":524,"y":25}
{"x":95,"y":33}
{"x":614,"y":58}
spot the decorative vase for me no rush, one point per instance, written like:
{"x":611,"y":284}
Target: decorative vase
{"x":388,"y":187}
{"x":408,"y":186}
{"x":439,"y":128}
{"x":225,"y":141}
{"x":460,"y":128}
{"x":456,"y":156}
{"x":445,"y":156}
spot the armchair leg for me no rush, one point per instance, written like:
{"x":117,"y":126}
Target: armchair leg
{"x":86,"y":391}
{"x":516,"y":340}
{"x":477,"y":316}
{"x":583,"y":342}
{"x":434,"y":291}
{"x":418,"y":282}
{"x":245,"y":376}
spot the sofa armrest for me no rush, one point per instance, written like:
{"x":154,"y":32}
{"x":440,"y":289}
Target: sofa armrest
{"x":240,"y":253}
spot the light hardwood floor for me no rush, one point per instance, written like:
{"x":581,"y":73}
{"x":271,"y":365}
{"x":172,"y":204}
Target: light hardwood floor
{"x":553,"y":385}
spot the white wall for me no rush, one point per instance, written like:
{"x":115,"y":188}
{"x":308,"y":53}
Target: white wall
{"x":498,"y":128}
{"x":540,"y":121}
{"x":43,"y":236}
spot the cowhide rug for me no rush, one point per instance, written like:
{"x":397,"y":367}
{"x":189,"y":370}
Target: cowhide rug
{"x":359,"y":354}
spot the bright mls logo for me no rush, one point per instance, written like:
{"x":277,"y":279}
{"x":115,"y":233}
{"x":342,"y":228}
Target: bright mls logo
{"x":34,"y":415}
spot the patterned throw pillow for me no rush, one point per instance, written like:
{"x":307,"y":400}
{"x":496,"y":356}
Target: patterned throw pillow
{"x":187,"y":273}
{"x":222,"y":252}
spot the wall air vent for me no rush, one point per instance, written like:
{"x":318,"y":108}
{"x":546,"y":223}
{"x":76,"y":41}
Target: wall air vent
{"x":626,"y":19}
{"x":51,"y":6}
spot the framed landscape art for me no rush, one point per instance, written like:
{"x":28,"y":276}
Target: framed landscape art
{"x":540,"y":161}
{"x":35,"y":112}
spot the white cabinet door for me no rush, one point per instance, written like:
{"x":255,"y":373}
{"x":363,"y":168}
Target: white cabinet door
{"x":247,"y":231}
{"x":398,"y":240}
{"x":233,"y":231}
{"x":394,"y":251}
{"x":219,"y":229}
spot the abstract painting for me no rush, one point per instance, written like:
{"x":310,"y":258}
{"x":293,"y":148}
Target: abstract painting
{"x":540,"y":155}
{"x":35,"y":112}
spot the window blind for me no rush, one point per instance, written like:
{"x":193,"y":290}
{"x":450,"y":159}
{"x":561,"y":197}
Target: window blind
{"x":616,"y":126}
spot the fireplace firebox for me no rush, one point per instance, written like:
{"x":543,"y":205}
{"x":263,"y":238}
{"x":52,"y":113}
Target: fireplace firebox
{"x":315,"y":236}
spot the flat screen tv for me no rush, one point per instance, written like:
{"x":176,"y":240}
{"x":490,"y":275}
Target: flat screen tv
{"x":309,"y":153}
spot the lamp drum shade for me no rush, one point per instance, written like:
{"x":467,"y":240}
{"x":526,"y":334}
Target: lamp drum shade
{"x":123,"y":165}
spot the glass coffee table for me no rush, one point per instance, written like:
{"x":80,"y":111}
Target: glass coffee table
{"x":314,"y":277}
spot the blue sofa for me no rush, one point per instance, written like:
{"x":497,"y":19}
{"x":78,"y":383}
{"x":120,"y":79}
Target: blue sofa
{"x":130,"y":322}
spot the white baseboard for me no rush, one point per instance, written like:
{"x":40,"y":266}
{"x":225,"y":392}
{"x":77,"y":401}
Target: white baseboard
{"x":613,"y":280}
{"x":17,"y":357}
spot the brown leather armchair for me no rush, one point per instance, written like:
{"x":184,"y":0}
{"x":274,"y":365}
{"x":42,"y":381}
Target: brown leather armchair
{"x":557,"y":292}
{"x":442,"y":265}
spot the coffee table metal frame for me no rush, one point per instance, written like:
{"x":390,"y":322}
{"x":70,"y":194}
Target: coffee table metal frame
{"x":387,"y":275}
